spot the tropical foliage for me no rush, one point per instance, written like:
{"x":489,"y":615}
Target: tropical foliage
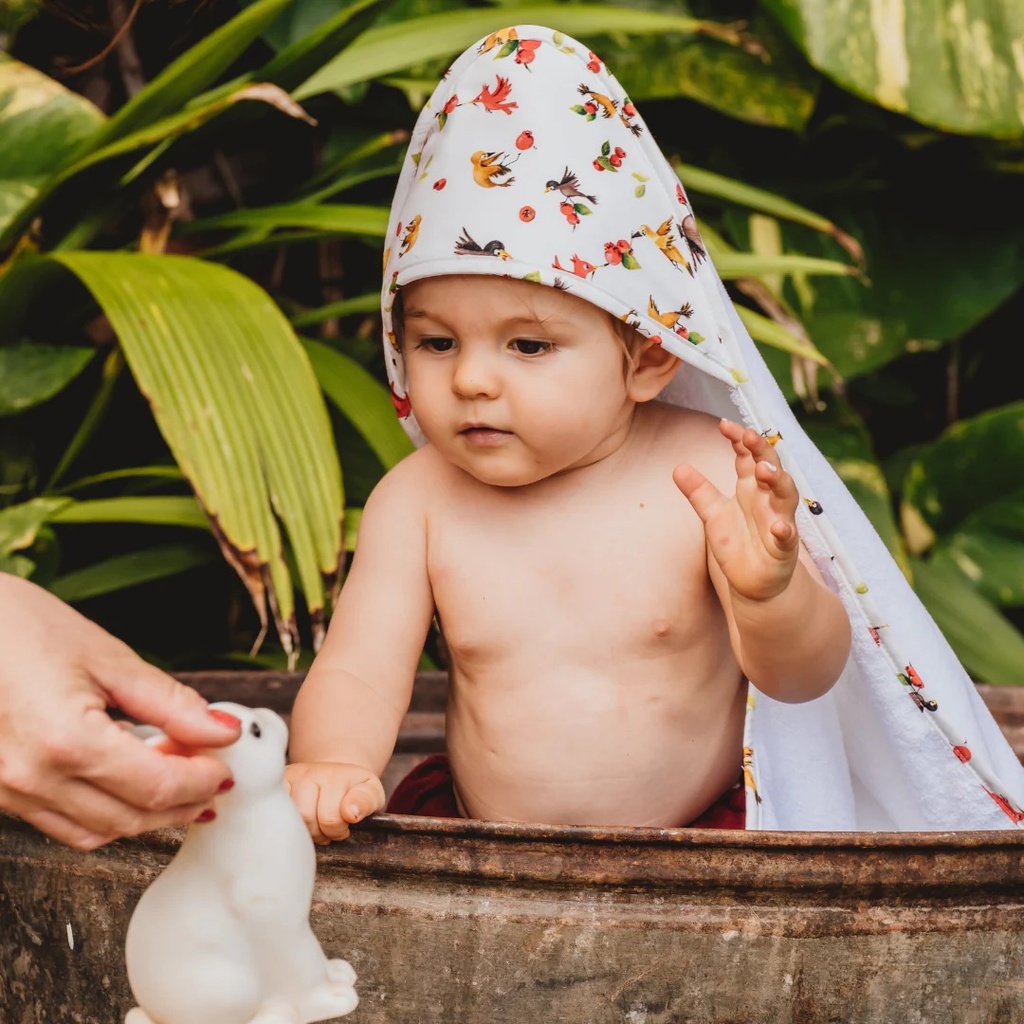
{"x":188,"y":353}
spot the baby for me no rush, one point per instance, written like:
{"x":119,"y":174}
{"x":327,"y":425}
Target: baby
{"x":608,"y":569}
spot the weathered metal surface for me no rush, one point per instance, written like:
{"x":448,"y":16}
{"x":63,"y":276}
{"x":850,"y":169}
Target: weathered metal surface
{"x":481,"y":923}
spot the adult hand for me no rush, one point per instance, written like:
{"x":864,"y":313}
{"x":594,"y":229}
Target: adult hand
{"x":65,"y":765}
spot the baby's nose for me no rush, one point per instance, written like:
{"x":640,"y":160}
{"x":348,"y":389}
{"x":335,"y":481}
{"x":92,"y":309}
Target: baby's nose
{"x":475,"y":376}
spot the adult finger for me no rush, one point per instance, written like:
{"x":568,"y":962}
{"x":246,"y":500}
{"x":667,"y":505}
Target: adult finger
{"x":128,"y":769}
{"x":153,"y":697}
{"x":63,"y":829}
{"x":84,"y":817}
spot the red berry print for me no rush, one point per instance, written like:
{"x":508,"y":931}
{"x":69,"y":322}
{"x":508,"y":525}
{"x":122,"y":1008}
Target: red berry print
{"x":525,"y":51}
{"x":590,"y":107}
{"x":527,"y":213}
{"x":963,"y":753}
{"x":569,"y":213}
{"x":525,"y":140}
{"x":440,"y":184}
{"x":594,"y":63}
{"x":598,"y":166}
{"x":612,"y":254}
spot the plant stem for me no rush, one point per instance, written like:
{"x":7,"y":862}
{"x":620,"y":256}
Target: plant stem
{"x":112,"y":367}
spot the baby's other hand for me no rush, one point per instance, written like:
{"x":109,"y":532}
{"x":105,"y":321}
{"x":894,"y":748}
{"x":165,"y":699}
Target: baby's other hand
{"x":752,"y":534}
{"x":332,"y":796}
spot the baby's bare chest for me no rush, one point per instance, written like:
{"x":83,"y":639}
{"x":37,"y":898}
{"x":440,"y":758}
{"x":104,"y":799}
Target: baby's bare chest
{"x":604,"y":578}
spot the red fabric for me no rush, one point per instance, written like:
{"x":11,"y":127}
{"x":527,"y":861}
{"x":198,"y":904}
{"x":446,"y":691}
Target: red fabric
{"x":428,"y":790}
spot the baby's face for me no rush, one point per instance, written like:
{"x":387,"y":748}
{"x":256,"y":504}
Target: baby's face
{"x":512,"y":381}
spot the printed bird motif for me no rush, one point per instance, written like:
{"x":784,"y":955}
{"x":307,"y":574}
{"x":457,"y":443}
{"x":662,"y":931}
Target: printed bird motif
{"x":497,"y":39}
{"x":487,"y":167}
{"x":466,"y":246}
{"x":748,"y":772}
{"x":666,"y":243}
{"x":569,"y":186}
{"x":605,"y":104}
{"x":670,"y":318}
{"x":412,"y":232}
{"x":497,"y":100}
{"x":688,"y":229}
{"x":580,"y":267}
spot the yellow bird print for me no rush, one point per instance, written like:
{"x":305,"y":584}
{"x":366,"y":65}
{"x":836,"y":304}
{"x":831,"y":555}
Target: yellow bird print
{"x":748,"y":772}
{"x":489,"y":166}
{"x":412,"y":232}
{"x":497,"y":39}
{"x":665,"y":240}
{"x":605,"y":104}
{"x":670,"y":318}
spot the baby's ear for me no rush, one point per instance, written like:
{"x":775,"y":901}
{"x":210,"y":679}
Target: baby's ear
{"x":653,"y":368}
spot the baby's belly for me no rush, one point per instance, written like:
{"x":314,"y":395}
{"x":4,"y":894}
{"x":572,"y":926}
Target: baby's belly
{"x":582,"y":748}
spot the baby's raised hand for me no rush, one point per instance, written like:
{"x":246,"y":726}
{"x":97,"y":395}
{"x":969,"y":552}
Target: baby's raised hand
{"x":332,"y":796}
{"x":752,"y":534}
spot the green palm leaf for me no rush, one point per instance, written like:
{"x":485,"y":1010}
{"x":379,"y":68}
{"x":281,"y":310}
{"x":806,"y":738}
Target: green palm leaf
{"x":233,"y":393}
{"x":362,"y":399}
{"x":387,"y":48}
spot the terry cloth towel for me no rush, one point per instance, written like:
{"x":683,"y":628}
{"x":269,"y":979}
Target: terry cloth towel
{"x":530,"y":161}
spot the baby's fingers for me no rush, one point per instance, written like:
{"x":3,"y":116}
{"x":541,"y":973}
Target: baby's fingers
{"x":698,"y":490}
{"x":305,"y":793}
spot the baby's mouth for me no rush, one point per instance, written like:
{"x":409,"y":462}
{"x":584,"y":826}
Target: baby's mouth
{"x":484,"y":435}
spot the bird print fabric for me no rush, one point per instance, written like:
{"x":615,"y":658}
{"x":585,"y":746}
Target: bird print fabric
{"x":531,"y":161}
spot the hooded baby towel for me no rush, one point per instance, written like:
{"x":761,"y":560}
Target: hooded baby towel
{"x":530,"y":161}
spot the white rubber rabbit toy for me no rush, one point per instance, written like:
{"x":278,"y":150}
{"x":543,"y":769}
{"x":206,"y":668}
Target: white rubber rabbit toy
{"x":222,"y":935}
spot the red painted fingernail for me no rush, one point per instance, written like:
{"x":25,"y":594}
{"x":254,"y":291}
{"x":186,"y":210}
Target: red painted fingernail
{"x":225,"y":785}
{"x":207,"y":815}
{"x":224,"y":718}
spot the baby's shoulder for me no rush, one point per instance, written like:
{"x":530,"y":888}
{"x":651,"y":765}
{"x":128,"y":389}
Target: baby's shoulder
{"x":671,"y":427}
{"x":410,"y":480}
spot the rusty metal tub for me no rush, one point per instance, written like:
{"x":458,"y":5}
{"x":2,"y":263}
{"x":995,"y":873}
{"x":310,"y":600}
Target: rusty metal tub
{"x":473,"y":922}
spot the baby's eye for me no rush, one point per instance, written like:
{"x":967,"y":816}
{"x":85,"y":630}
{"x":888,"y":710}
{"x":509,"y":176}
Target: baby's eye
{"x":436,"y":344}
{"x":530,"y":346}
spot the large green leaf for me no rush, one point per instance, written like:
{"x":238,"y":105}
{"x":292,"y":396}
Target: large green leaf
{"x":31,"y":372}
{"x":989,"y":549}
{"x":41,"y":123}
{"x":984,"y":640}
{"x":764,"y":81}
{"x":952,"y":64}
{"x":130,"y":570}
{"x":236,"y":399}
{"x":329,"y":218}
{"x":362,"y":399}
{"x":316,"y":36}
{"x":162,"y":510}
{"x":387,"y":48}
{"x":840,"y":435}
{"x":975,"y":462}
{"x":20,"y":524}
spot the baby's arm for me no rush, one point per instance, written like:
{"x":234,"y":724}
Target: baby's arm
{"x":790,"y":633}
{"x":350,"y":706}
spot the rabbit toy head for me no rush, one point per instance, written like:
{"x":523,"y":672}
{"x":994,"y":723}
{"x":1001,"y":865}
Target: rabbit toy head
{"x":257,"y":757}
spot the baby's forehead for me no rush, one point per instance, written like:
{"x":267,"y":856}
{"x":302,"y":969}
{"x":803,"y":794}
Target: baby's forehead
{"x":497,"y":294}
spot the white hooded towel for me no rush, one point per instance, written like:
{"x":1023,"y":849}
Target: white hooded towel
{"x":530,"y":161}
